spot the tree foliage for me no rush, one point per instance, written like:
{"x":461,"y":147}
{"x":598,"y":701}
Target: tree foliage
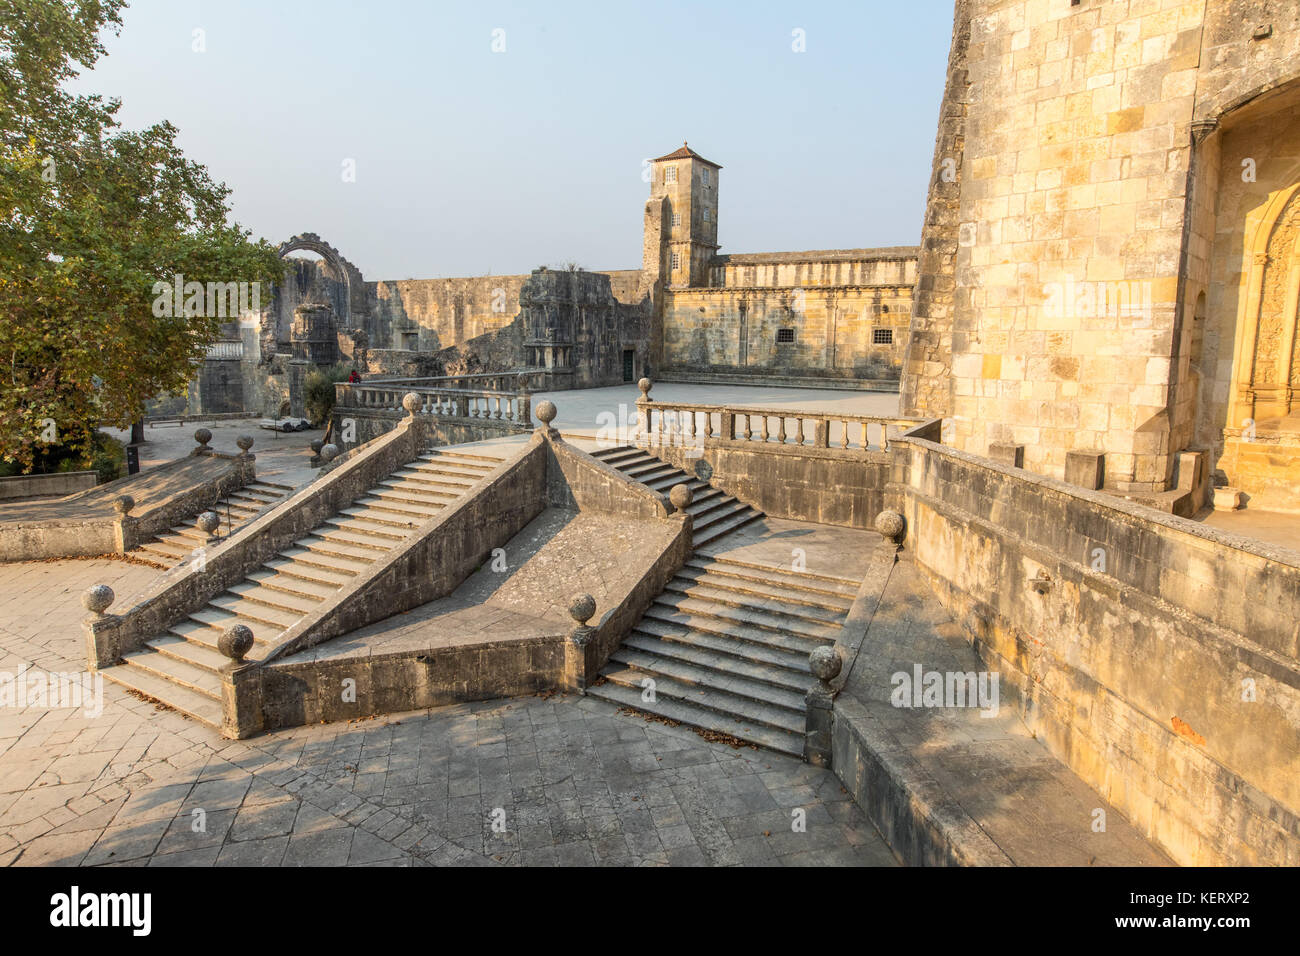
{"x":94,"y":216}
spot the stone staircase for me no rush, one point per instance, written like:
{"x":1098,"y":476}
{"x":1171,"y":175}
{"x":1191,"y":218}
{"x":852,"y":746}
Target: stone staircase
{"x":235,"y":510}
{"x":180,"y":668}
{"x":713,"y":512}
{"x":727,"y":647}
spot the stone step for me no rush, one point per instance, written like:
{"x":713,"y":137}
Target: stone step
{"x":332,"y":549}
{"x":702,"y":616}
{"x":249,"y":503}
{"x":420,"y":497}
{"x":269,"y":487}
{"x":651,"y":470}
{"x":402,"y":523}
{"x":693,"y":715}
{"x":306,"y":558}
{"x":845,"y":586}
{"x":307,"y":573}
{"x":468,"y":458}
{"x":775,"y":671}
{"x":191,"y":703}
{"x":166,"y":549}
{"x":756,"y":590}
{"x":446,"y":466}
{"x":375,"y":529}
{"x":704,"y":510}
{"x":729,"y":681}
{"x":838,"y":590}
{"x":205,"y":627}
{"x":723,"y":524}
{"x":788,"y":661}
{"x":418,"y":512}
{"x":236,"y":606}
{"x":194,"y":653}
{"x":760,"y":617}
{"x":741,"y":709}
{"x":420,"y":490}
{"x":278,"y":579}
{"x":666,"y":484}
{"x":354,"y":539}
{"x":781,"y":611}
{"x":275,"y":598}
{"x":428,"y":478}
{"x":177,"y":671}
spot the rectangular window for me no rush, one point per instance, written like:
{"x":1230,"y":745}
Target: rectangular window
{"x":677,"y":219}
{"x":677,"y":261}
{"x":784,"y":336}
{"x":704,"y":176}
{"x":670,"y":174}
{"x":706,"y":215}
{"x":882,"y":336}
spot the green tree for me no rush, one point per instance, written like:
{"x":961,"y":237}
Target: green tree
{"x":95,"y":216}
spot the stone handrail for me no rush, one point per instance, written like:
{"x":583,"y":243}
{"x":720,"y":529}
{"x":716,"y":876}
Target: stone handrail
{"x":680,"y":423}
{"x":474,"y":404}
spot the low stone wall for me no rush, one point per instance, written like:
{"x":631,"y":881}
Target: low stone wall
{"x":824,"y":485}
{"x":1156,"y":657}
{"x":87,"y":523}
{"x":54,"y":485}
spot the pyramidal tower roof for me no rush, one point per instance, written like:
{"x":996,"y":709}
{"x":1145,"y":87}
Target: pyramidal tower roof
{"x":685,"y":152}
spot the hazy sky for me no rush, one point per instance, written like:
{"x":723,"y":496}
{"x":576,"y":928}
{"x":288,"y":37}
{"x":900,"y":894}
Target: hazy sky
{"x":469,"y":161}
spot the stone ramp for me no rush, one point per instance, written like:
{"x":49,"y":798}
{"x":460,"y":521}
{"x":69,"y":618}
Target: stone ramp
{"x":180,"y":667}
{"x":725,"y":646}
{"x":945,"y":784}
{"x":145,"y":488}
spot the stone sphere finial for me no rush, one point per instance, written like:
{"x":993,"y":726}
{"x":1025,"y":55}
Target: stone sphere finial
{"x":890,"y":524}
{"x":681,"y":496}
{"x":645,"y":385}
{"x":582,"y":607}
{"x":123,"y":504}
{"x":244,"y":442}
{"x":329,"y":452}
{"x":209,"y":522}
{"x":412,"y":402}
{"x":546,"y":412}
{"x":235,"y":641}
{"x":825,"y":664}
{"x":97,"y":598}
{"x":316,"y":445}
{"x":202,"y":436}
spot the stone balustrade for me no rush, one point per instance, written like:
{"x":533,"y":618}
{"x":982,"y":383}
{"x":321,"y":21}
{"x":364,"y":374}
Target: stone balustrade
{"x":682,"y":424}
{"x":512,"y":408}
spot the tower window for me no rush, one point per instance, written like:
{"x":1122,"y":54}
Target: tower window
{"x":677,"y":219}
{"x":784,"y":336}
{"x":704,"y":176}
{"x":882,"y":336}
{"x":677,"y":260}
{"x":706,"y":214}
{"x":670,"y":174}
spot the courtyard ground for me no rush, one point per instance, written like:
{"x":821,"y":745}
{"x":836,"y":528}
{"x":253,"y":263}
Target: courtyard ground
{"x":566,"y":780}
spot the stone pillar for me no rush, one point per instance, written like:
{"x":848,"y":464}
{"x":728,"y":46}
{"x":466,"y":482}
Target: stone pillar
{"x":581,"y":609}
{"x":125,"y":536}
{"x":100,"y":628}
{"x":241,"y":685}
{"x":1085,"y":469}
{"x":825,"y":665}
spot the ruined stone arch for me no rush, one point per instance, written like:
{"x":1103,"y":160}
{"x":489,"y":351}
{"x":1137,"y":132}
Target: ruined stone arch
{"x":348,"y":274}
{"x":1266,"y":378}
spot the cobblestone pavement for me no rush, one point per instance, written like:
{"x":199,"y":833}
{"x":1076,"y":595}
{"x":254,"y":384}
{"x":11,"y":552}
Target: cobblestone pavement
{"x":567,"y":780}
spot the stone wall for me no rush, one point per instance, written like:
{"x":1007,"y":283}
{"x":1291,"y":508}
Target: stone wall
{"x":1156,"y":657}
{"x":1080,"y":236}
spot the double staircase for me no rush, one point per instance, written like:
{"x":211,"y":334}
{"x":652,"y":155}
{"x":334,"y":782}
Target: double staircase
{"x":180,"y":668}
{"x":713,"y":512}
{"x":725,"y":649}
{"x":235,"y":510}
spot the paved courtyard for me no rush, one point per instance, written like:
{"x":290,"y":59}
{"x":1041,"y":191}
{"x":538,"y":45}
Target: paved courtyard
{"x":530,"y":781}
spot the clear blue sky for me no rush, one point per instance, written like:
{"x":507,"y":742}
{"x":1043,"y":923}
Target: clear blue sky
{"x":469,"y":161}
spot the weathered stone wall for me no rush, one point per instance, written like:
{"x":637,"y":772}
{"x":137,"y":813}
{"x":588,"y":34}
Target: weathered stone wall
{"x":713,"y":330}
{"x":1159,"y":660}
{"x":1079,"y":231}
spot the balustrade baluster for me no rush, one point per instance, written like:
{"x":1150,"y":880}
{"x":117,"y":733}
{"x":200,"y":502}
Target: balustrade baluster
{"x":781,"y":435}
{"x":764,"y":418}
{"x":749,"y":432}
